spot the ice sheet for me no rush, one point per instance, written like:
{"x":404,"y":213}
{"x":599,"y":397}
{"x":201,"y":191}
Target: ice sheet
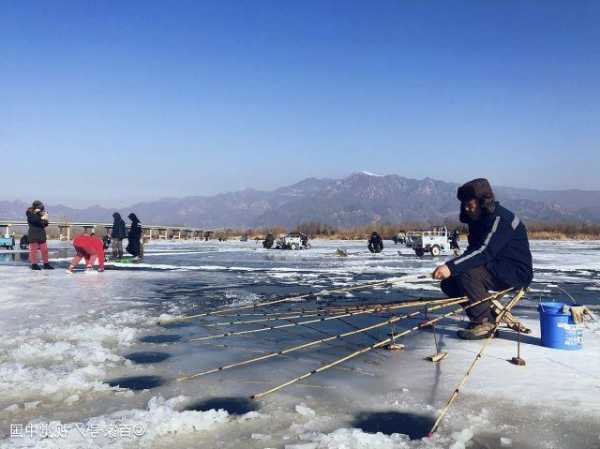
{"x":65,"y":337}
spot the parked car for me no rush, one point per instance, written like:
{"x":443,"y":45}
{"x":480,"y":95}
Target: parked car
{"x":293,"y":240}
{"x":434,"y":242}
{"x":7,"y":241}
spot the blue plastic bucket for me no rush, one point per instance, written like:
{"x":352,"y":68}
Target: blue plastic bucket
{"x":558,"y":328}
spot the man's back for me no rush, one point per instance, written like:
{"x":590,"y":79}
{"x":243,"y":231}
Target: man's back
{"x":499,"y":241}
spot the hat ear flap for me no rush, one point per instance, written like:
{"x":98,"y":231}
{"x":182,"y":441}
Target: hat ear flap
{"x":488,"y":204}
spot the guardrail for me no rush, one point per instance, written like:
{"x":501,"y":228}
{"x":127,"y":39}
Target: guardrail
{"x":150,"y":231}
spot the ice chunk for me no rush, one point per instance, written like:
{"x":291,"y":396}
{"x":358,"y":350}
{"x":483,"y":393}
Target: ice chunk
{"x":303,"y":410}
{"x":461,"y":438}
{"x":357,"y":439}
{"x":31,"y":405}
{"x":12,"y":408}
{"x":72,"y":399}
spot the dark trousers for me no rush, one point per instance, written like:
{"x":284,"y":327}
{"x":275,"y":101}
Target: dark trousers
{"x":475,"y":284}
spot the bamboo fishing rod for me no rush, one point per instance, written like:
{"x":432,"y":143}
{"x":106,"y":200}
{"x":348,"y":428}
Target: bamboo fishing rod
{"x":333,"y":311}
{"x":374,"y":346}
{"x":322,"y":319}
{"x":301,"y":310}
{"x":288,"y":311}
{"x":318,"y":342}
{"x":269,"y":318}
{"x":478,"y":357}
{"x":393,"y":280}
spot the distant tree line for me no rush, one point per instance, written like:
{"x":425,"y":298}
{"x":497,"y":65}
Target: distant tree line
{"x":316,"y":229}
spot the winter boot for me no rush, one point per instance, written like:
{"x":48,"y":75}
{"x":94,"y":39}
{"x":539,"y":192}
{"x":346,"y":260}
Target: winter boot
{"x":35,"y":266}
{"x":508,"y":319}
{"x":477,"y":332}
{"x":47,"y":266}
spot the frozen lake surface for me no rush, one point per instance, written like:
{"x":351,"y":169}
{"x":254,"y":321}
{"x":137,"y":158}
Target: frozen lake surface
{"x":84,"y":362}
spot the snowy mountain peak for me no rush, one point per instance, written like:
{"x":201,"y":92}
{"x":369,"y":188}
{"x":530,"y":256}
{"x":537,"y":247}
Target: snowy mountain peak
{"x":368,"y":173}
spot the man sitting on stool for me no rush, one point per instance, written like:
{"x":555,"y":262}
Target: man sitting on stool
{"x":497,"y":257}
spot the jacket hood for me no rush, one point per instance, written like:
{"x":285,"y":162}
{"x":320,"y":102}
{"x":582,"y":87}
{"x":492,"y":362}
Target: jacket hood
{"x":117,"y":216}
{"x":133,"y":218}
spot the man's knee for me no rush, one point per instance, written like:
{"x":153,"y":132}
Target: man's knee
{"x":449,"y":287}
{"x":470,"y":277}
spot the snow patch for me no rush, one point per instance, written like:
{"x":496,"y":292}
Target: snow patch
{"x":357,"y":439}
{"x":144,"y":427}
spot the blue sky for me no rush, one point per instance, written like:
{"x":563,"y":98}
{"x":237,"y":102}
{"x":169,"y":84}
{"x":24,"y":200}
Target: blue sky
{"x":114,"y":102}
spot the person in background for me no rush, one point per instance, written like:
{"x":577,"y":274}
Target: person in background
{"x":269,"y":240}
{"x":134,"y":237}
{"x":91,"y":249}
{"x":37,"y":218}
{"x":118,"y":233}
{"x":304,"y":240}
{"x":24,"y":242}
{"x":375,"y":243}
{"x":106,"y":242}
{"x":454,"y":242}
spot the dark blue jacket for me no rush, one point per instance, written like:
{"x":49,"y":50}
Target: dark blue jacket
{"x":119,"y":230}
{"x":499,"y":241}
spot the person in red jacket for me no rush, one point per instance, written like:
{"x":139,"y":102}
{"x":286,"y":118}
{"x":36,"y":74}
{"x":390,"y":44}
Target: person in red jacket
{"x":90,"y":248}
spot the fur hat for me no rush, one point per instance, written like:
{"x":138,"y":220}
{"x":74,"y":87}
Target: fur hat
{"x":478,"y":189}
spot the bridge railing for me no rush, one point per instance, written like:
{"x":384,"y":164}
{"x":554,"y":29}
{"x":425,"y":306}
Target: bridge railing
{"x":150,"y":231}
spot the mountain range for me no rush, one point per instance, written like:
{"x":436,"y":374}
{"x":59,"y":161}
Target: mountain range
{"x":358,"y":199}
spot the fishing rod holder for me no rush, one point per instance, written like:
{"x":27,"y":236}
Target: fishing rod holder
{"x":518,"y":360}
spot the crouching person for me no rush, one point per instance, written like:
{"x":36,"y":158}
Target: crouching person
{"x":375,"y":243}
{"x":497,"y":257}
{"x":91,"y":249}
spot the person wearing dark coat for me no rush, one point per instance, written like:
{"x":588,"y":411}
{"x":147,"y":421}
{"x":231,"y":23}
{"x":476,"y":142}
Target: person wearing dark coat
{"x":497,"y":256}
{"x":304,"y":240}
{"x":37,"y":219}
{"x":269,"y":240}
{"x":134,"y":237}
{"x":375,"y":243}
{"x":117,"y":234}
{"x":24,"y":242}
{"x":454,"y":242}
